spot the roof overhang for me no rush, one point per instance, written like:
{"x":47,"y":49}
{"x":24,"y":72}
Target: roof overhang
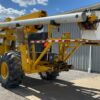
{"x":94,"y":6}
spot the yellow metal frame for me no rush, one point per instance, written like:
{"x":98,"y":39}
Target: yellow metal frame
{"x":4,"y":70}
{"x":5,"y":42}
{"x":32,"y":15}
{"x":34,"y":64}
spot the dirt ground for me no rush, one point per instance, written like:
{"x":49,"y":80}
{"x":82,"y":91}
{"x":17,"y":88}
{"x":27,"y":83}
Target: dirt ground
{"x":72,"y":85}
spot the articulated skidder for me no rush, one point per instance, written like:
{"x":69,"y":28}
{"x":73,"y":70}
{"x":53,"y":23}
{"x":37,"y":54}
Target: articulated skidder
{"x":25,"y":50}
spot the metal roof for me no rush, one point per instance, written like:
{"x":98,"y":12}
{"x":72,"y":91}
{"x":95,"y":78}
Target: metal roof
{"x":93,"y":6}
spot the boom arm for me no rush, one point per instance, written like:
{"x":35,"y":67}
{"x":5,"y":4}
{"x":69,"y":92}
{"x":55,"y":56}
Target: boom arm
{"x":66,"y":18}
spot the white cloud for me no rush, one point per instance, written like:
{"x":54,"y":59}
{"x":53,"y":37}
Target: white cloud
{"x":25,"y":3}
{"x":9,"y":12}
{"x":58,"y":9}
{"x":42,"y":2}
{"x":34,"y":10}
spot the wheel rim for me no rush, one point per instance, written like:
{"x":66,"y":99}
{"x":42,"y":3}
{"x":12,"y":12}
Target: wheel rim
{"x":4,"y":70}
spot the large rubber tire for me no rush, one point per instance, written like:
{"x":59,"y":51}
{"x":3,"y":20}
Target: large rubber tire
{"x":15,"y":73}
{"x":49,"y":75}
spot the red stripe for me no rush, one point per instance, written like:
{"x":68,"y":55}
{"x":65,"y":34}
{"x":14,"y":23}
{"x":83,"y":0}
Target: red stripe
{"x":34,"y":41}
{"x":60,"y":41}
{"x":53,"y":40}
{"x":76,"y":40}
{"x":66,"y":40}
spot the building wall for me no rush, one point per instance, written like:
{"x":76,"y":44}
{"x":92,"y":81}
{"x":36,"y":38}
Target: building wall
{"x":96,"y":51}
{"x":81,"y":59}
{"x":92,"y":34}
{"x":95,"y":59}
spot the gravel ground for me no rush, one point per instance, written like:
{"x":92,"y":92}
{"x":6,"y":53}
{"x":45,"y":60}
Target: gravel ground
{"x":72,"y":85}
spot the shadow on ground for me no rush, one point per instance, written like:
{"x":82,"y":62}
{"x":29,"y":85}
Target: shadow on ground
{"x":56,"y":90}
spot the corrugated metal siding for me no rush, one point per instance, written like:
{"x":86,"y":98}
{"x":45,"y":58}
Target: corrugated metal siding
{"x":95,"y":59}
{"x":80,"y":60}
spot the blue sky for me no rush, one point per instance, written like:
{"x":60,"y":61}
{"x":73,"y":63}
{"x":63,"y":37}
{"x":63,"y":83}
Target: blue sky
{"x":19,"y":7}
